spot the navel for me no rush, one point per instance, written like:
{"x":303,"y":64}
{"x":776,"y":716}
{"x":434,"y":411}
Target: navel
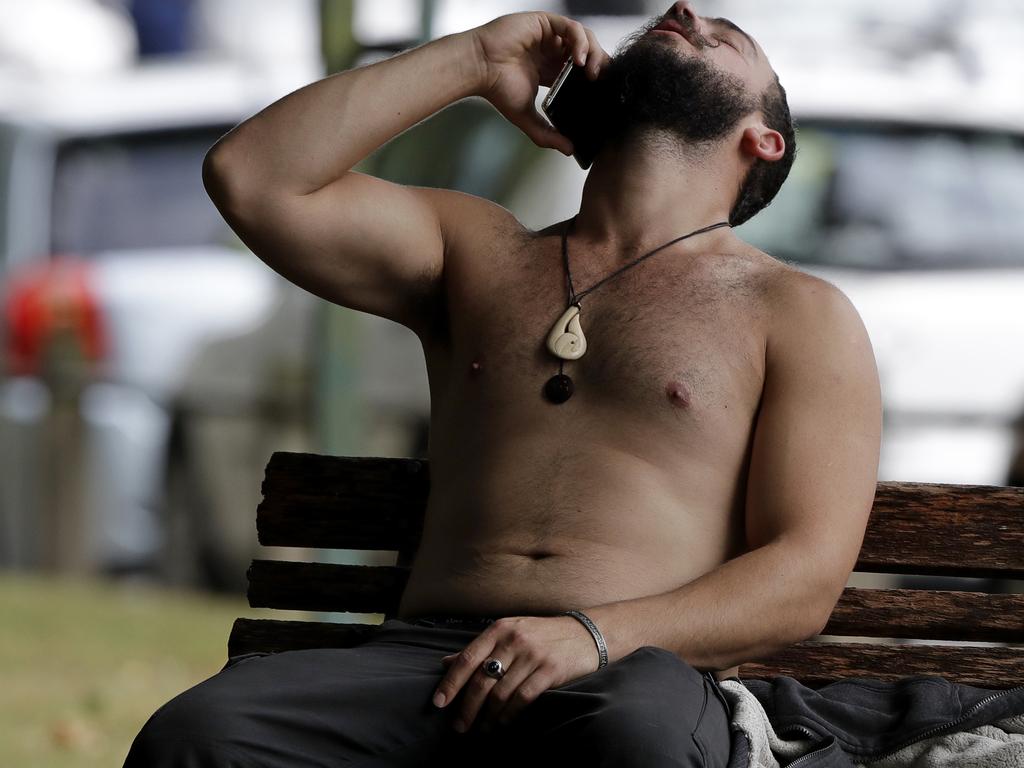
{"x":539,"y":554}
{"x":678,"y":394}
{"x":475,"y":368}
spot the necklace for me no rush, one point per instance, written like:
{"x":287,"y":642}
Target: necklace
{"x":566,"y":340}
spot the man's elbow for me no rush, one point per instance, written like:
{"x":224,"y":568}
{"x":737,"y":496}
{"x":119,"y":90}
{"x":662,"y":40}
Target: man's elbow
{"x":818,"y":613}
{"x":239,"y":197}
{"x":217,"y":175}
{"x":816,"y":627}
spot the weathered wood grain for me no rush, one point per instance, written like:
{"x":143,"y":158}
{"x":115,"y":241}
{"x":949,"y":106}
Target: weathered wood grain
{"x":928,"y":614}
{"x":273,"y":635}
{"x":341,"y":502}
{"x":945,"y":529}
{"x":326,"y":587}
{"x":815,"y":664}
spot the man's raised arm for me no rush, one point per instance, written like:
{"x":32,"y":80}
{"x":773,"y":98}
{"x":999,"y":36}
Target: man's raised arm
{"x":283,"y":180}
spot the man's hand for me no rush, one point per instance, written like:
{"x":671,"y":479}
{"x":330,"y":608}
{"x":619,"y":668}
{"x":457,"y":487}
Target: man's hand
{"x":537,"y":652}
{"x":521,"y":51}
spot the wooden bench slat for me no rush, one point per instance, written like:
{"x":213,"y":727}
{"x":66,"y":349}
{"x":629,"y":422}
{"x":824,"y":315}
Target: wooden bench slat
{"x":342,"y":502}
{"x":815,"y":664}
{"x":319,"y":523}
{"x":366,"y":503}
{"x":275,"y":635}
{"x":945,"y":530}
{"x":326,"y":587}
{"x":812,"y":663}
{"x":900,"y":613}
{"x":928,"y":614}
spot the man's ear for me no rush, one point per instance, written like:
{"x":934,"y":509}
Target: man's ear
{"x":758,"y":141}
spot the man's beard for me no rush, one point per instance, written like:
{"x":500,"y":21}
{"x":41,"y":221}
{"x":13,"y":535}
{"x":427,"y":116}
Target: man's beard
{"x":650,"y":88}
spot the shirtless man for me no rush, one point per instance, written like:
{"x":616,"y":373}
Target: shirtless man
{"x":706,"y":488}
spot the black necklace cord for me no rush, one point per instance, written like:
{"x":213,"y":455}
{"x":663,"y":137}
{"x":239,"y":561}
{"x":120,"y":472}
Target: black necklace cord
{"x":565,"y":257}
{"x":574,"y":298}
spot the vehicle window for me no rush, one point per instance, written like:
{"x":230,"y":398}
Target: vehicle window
{"x":897,"y":199}
{"x":134,"y":191}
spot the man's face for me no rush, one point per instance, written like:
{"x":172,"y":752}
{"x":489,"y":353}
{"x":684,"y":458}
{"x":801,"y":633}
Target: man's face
{"x":693,"y":77}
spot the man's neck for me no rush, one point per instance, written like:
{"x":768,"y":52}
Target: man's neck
{"x":637,"y":197}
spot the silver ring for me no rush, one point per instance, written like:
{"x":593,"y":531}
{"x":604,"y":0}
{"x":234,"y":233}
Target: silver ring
{"x":493,"y":668}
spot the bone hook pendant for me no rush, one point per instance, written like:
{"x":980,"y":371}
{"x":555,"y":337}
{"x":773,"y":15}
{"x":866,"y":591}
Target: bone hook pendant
{"x":566,"y":340}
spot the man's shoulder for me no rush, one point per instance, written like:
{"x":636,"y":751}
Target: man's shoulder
{"x":808,"y":311}
{"x":800,"y":303}
{"x":777,"y":283}
{"x":790,"y":283}
{"x":788,"y":288}
{"x":796,"y":293}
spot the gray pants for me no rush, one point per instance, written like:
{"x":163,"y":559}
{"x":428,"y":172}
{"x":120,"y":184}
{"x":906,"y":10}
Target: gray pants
{"x":370,"y":705}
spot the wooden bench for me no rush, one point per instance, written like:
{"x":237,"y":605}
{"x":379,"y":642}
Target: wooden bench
{"x":325,"y":502}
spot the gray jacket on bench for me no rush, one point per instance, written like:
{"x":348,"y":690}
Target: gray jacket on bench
{"x":859,"y":721}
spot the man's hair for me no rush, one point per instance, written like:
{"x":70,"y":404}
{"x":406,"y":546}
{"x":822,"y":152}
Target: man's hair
{"x":764,"y":179}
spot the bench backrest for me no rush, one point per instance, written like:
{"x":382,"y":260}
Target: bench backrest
{"x":324,"y":502}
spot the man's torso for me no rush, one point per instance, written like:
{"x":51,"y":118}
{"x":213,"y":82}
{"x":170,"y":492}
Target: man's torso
{"x":635,"y":485}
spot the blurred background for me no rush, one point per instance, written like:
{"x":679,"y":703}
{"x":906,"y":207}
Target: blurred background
{"x":150,"y":364}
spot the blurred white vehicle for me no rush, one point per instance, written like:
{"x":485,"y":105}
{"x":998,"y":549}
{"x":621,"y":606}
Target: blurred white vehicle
{"x":123,"y":286}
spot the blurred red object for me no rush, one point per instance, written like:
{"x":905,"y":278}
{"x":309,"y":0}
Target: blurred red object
{"x":45,"y":300}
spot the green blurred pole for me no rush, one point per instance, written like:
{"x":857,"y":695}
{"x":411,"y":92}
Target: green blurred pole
{"x":337,"y":417}
{"x":337,"y":40}
{"x":337,"y":411}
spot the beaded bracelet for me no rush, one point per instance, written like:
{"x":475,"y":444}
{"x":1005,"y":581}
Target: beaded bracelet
{"x":602,"y":649}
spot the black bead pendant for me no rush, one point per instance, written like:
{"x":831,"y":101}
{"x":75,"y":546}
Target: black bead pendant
{"x":558,"y":389}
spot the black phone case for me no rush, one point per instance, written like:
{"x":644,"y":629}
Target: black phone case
{"x":576,"y":109}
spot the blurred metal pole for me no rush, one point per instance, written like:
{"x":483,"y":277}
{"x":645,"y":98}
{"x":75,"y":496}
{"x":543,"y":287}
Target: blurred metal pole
{"x":64,"y":535}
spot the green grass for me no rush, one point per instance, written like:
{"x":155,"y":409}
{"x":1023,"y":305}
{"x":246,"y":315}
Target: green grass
{"x":83,"y":664}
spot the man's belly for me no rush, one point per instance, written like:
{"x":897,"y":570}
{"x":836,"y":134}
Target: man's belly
{"x":495,"y":578}
{"x":578,"y":531}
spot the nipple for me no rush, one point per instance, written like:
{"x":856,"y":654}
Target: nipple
{"x":678,"y":394}
{"x":475,"y":368}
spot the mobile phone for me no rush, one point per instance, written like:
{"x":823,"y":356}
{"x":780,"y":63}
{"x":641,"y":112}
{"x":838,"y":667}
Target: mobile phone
{"x":574,"y":107}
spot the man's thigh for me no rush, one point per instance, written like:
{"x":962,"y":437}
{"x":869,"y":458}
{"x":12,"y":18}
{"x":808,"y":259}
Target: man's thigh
{"x":649,"y":708}
{"x":368,"y":705}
